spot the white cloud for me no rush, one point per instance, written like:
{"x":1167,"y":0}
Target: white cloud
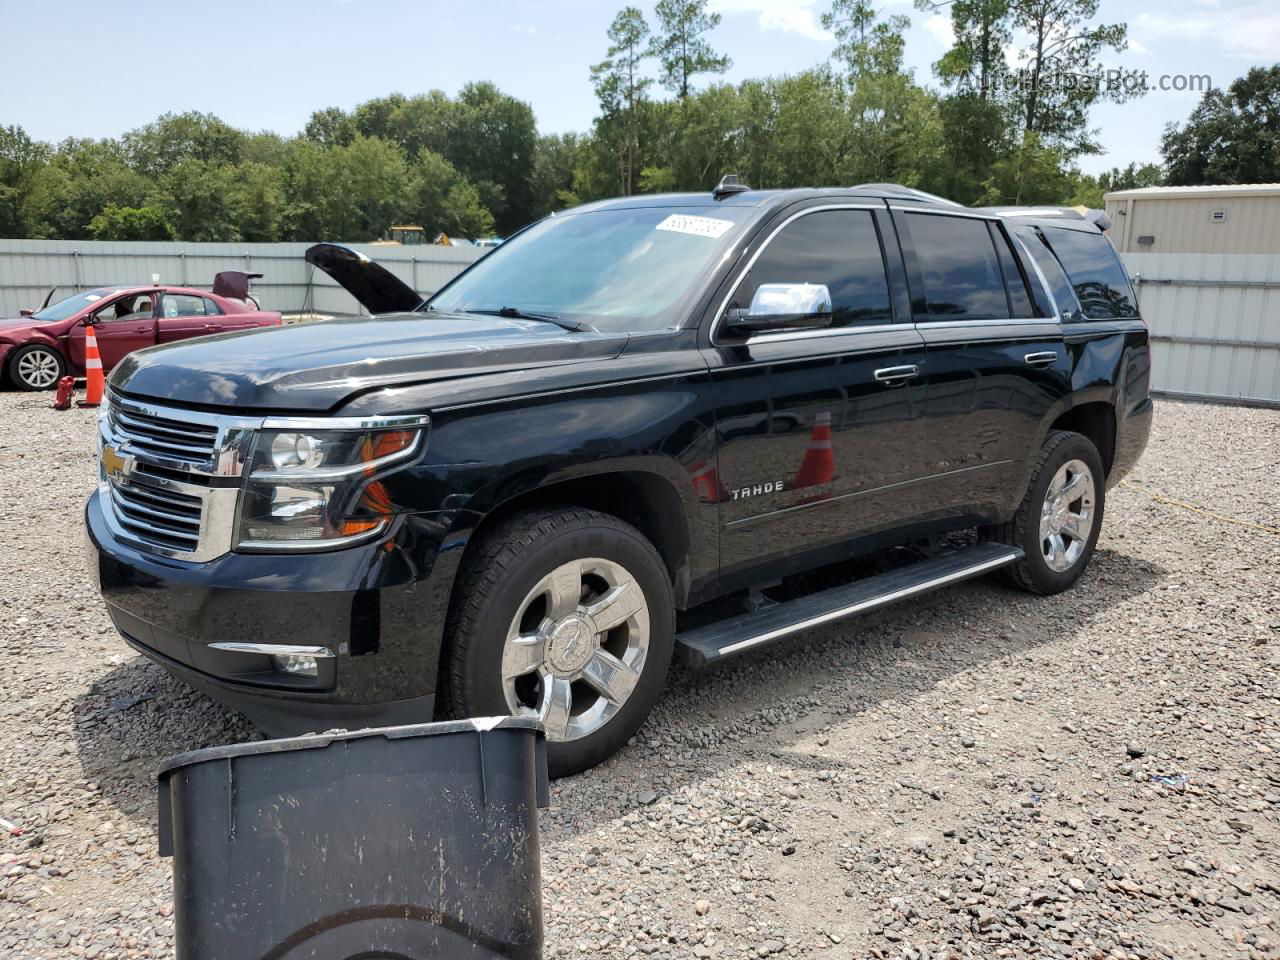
{"x":941,"y":30}
{"x":1250,"y":32}
{"x":785,"y":16}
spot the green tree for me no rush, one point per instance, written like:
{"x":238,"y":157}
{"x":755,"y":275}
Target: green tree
{"x":445,"y":200}
{"x":492,"y":139}
{"x":20,"y":160}
{"x":555,"y":160}
{"x":680,"y":44}
{"x":620,"y":88}
{"x":330,"y":127}
{"x":1231,"y":136}
{"x":81,"y":178}
{"x":158,"y":147}
{"x":195,"y":195}
{"x":130,"y":223}
{"x":1060,"y":70}
{"x":257,"y":202}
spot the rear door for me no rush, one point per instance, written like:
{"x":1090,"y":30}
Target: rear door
{"x":184,"y":315}
{"x":819,"y":430}
{"x":997,"y":364}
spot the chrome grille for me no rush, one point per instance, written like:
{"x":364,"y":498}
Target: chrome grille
{"x":164,"y":518}
{"x":169,"y":478}
{"x":173,"y":439}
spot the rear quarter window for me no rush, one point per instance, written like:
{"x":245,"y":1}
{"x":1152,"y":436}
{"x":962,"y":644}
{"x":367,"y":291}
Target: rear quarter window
{"x":1097,"y":276}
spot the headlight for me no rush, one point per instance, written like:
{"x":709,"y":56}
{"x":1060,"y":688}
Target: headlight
{"x":310,"y":487}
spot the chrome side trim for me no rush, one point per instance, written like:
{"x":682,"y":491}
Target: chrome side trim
{"x":346,"y":423}
{"x":274,"y":649}
{"x":772,"y":515}
{"x":873,"y":602}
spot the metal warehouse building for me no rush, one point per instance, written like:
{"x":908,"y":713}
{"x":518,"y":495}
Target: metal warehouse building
{"x":1206,"y":264}
{"x":1228,"y":219}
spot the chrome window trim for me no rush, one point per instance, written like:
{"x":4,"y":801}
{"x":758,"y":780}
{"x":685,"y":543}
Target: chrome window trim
{"x":792,"y":334}
{"x":963,"y":212}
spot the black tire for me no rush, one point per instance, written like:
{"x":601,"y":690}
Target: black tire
{"x":495,"y":582}
{"x":1033,"y":572}
{"x":20,"y":381}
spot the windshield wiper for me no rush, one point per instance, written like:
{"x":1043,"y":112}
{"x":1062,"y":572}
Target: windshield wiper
{"x":515,"y":313}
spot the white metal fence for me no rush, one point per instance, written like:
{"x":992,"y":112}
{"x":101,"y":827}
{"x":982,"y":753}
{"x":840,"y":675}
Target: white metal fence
{"x":1214,"y":318}
{"x":1215,"y":323}
{"x":28,"y":268}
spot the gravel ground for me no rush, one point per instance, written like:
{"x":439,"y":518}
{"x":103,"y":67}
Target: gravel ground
{"x":982,"y":774}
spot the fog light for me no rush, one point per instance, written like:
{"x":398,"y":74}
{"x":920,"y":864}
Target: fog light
{"x":297,"y":664}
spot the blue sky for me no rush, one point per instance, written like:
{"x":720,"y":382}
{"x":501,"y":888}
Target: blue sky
{"x":75,"y":68}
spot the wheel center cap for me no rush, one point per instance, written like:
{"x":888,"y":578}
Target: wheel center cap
{"x":572,"y":645}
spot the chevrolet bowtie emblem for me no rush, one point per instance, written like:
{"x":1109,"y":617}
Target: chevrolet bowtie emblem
{"x":115,"y":464}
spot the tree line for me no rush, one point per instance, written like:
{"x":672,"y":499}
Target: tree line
{"x":1004,"y":122}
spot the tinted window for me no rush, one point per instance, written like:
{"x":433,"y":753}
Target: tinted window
{"x":1019,"y":299}
{"x":211,"y":308}
{"x":182,"y":305}
{"x":1099,"y":280}
{"x":959,"y":268}
{"x":1064,"y":297}
{"x":837,"y":247}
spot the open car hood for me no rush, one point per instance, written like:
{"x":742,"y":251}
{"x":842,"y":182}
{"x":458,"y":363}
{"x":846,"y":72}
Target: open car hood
{"x":375,"y":287}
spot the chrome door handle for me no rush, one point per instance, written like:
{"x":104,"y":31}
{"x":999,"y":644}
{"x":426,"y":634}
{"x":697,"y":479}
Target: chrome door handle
{"x":1042,"y":359}
{"x":897,"y":374}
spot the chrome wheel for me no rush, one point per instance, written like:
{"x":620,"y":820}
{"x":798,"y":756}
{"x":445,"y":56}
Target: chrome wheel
{"x":1066,"y":517}
{"x":38,"y":368}
{"x":576,"y":647}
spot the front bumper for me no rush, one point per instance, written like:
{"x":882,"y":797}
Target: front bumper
{"x":379,"y":608}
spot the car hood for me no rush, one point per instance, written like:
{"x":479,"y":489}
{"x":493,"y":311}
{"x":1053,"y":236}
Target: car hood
{"x":315,"y":367}
{"x":375,"y":287}
{"x":10,"y":326}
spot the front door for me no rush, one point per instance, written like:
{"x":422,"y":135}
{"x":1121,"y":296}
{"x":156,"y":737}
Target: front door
{"x":120,"y":326}
{"x":819,"y":431}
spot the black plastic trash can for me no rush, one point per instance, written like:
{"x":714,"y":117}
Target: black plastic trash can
{"x":398,"y":843}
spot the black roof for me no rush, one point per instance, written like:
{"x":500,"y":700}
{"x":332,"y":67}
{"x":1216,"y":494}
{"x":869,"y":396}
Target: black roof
{"x":767,"y":200}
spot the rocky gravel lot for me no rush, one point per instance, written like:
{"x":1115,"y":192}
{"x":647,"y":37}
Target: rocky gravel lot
{"x":982,"y":774}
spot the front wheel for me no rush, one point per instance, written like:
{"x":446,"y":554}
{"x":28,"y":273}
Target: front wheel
{"x":36,"y":367}
{"x":565,"y":615}
{"x":1058,"y":522}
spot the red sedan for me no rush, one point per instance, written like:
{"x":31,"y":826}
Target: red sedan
{"x":37,"y":349}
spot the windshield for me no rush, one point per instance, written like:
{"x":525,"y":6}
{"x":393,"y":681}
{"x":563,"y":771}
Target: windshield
{"x":72,"y":304}
{"x":628,"y":269}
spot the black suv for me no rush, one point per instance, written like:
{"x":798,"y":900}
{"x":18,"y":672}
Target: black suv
{"x":637,"y":429}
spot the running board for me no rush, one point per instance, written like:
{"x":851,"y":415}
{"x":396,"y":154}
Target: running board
{"x":718,"y":641}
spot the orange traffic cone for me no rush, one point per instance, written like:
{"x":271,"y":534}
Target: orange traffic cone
{"x":94,"y":381}
{"x":706,"y":481}
{"x":818,"y":465}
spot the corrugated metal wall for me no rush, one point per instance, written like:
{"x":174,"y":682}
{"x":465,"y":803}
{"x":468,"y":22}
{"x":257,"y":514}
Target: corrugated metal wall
{"x":1215,"y":323}
{"x":28,"y":268}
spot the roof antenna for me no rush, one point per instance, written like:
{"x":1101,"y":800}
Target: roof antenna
{"x":729,"y":184}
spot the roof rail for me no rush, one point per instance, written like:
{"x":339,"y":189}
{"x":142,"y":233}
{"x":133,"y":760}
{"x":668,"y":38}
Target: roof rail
{"x":729,"y":184}
{"x":906,"y":193}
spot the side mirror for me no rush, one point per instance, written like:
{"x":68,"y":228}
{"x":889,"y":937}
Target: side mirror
{"x":25,"y":312}
{"x":782,"y":306}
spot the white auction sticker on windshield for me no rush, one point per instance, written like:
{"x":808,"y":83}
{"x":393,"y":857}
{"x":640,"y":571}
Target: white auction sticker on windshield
{"x":708,"y":227}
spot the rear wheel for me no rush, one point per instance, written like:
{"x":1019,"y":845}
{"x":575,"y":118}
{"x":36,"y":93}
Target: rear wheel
{"x":565,"y":615}
{"x":1058,"y":522}
{"x":36,"y":367}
